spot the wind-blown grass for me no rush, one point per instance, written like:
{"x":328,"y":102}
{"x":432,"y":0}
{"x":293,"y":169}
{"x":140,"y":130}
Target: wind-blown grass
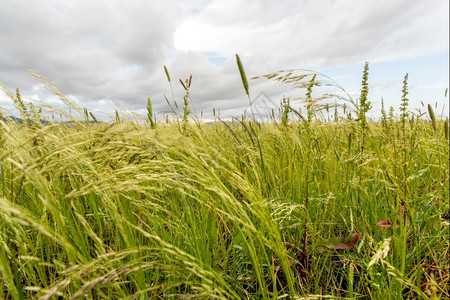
{"x":109,"y":211}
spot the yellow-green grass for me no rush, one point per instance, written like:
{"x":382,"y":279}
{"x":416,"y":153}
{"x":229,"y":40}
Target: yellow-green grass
{"x":219,"y":211}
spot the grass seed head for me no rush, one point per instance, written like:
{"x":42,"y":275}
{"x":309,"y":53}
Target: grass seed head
{"x":432,"y":117}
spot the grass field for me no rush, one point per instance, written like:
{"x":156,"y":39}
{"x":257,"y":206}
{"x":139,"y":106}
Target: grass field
{"x":293,"y":208}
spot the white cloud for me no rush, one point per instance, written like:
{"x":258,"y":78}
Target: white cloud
{"x":345,"y":31}
{"x":100,"y":50}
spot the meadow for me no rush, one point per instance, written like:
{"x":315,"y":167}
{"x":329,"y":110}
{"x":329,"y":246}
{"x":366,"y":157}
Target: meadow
{"x":298,"y":207}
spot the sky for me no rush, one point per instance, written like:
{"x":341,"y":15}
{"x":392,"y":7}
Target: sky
{"x":110,"y":55}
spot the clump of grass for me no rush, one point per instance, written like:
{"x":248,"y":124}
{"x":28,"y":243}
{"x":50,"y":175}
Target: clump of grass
{"x":231,"y":211}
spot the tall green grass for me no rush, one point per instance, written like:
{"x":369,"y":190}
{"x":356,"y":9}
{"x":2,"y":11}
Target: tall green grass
{"x":233,"y":210}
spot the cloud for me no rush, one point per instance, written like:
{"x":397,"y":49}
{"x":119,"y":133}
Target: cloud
{"x":318,"y":32}
{"x":100,"y":50}
{"x":92,"y":49}
{"x":311,"y":34}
